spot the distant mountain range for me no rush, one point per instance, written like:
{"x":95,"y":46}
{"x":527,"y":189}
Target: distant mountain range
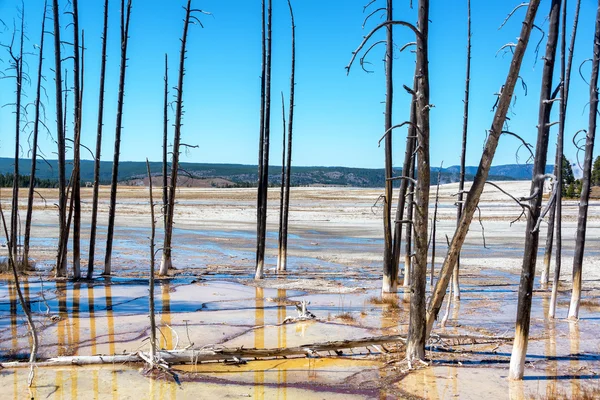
{"x":238,"y":175}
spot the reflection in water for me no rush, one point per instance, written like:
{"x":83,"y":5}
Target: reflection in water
{"x":61,"y":293}
{"x":12,"y":298}
{"x":111,"y":332}
{"x":259,"y":341}
{"x":167,"y":335}
{"x":282,"y":342}
{"x":574,"y":364}
{"x":92,"y":317}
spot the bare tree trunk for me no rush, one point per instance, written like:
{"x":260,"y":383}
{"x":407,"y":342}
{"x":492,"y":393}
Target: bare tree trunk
{"x":165,"y":179}
{"x":564,"y":96}
{"x":463,"y":153}
{"x":408,"y":256}
{"x":125,"y":15}
{"x":390,"y":274}
{"x":415,"y":347}
{"x":151,"y":282}
{"x":288,"y":164}
{"x":14,"y":213}
{"x":34,"y":145}
{"x":76,"y":146}
{"x":166,"y":262}
{"x":484,"y":166}
{"x":282,"y":192}
{"x":61,"y":268}
{"x":90,"y":271}
{"x":532,"y":233}
{"x":433,"y":229}
{"x":587,"y":173}
{"x":264,"y":173}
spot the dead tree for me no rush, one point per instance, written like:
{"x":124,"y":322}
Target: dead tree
{"x":564,"y":95}
{"x":61,"y":267}
{"x":390,"y":271}
{"x":463,"y":152}
{"x":96,"y":189}
{"x":125,"y":15}
{"x":34,"y":145}
{"x":151,"y":281}
{"x":165,"y":179}
{"x":77,"y":92}
{"x":263,"y":179}
{"x":532,"y":233}
{"x":491,"y":144}
{"x":288,"y":163}
{"x":282,"y":191}
{"x":166,"y":263}
{"x":17,"y":65}
{"x":587,"y":173}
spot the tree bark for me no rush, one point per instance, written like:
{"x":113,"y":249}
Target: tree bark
{"x":125,"y":15}
{"x":463,"y":152}
{"x":390,"y":273}
{"x":165,"y":179}
{"x":564,"y":95}
{"x":34,"y":145}
{"x":76,"y":146}
{"x":483,"y":169}
{"x":61,"y":268}
{"x":96,"y":189}
{"x":587,"y":173}
{"x":166,"y":262}
{"x":282,"y":191}
{"x":408,"y":256}
{"x":415,"y":348}
{"x":532,"y":233}
{"x":264,"y":178}
{"x":288,"y":164}
{"x":151,"y":280}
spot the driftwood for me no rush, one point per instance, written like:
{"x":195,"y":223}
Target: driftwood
{"x":238,"y":354}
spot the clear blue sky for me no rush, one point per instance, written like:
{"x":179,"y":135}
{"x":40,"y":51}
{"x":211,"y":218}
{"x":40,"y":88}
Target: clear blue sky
{"x":339,"y":118}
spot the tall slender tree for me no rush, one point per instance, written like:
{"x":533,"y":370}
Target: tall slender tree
{"x":282,"y":191}
{"x":288,"y":163}
{"x":166,"y":262}
{"x":263,"y":183}
{"x":97,"y":156}
{"x":34,"y":143}
{"x":463,"y":152}
{"x":517,"y":360}
{"x":76,"y":146}
{"x":165,"y":179}
{"x":61,"y":268}
{"x":587,"y":174}
{"x":483,"y":170}
{"x":125,"y":16}
{"x":561,"y":177}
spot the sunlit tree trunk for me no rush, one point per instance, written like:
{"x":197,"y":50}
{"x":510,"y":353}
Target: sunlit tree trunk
{"x":587,"y":173}
{"x":532,"y":233}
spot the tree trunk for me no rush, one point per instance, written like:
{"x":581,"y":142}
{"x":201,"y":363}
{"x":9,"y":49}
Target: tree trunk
{"x":151,"y":280}
{"x":93,"y":229}
{"x":390,"y":274}
{"x":264,"y":173}
{"x":14,"y":213}
{"x":587,"y":173}
{"x":166,"y":262}
{"x":415,"y":348}
{"x":76,"y":146}
{"x":463,"y":152}
{"x":61,"y":268}
{"x":125,"y":15}
{"x":484,"y":166}
{"x":408,"y":256}
{"x":165,"y":180}
{"x":288,"y":164}
{"x":34,"y":145}
{"x":282,"y":191}
{"x":564,"y":95}
{"x":532,"y":233}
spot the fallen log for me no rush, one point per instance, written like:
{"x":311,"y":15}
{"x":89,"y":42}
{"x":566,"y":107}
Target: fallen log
{"x":237,"y":355}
